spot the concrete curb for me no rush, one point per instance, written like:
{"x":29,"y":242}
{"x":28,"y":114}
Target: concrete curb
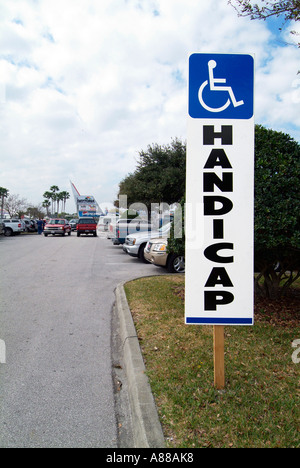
{"x":147,"y":430}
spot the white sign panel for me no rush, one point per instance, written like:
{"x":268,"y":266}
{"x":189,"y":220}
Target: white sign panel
{"x":220,"y":190}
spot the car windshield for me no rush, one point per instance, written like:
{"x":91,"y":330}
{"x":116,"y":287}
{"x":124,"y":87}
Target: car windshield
{"x":87,"y":221}
{"x":56,"y":221}
{"x":164,"y":228}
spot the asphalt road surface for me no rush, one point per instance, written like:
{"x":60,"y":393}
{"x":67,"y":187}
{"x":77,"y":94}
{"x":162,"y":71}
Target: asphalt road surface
{"x":56,"y":298}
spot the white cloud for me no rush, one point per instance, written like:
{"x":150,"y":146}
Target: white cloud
{"x":89,"y":84}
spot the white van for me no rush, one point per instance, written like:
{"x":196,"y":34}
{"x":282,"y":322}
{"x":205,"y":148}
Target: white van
{"x":105,"y":221}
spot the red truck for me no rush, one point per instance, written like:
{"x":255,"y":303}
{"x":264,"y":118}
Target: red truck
{"x":57,"y":226}
{"x":87,"y":226}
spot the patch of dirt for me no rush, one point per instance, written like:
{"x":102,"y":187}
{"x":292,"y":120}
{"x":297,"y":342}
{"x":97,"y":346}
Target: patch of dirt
{"x":284,"y":311}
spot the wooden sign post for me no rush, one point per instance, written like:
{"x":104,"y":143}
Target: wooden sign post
{"x":219,"y":365}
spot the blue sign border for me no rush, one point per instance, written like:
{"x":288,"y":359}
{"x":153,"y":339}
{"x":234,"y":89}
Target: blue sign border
{"x":218,"y":321}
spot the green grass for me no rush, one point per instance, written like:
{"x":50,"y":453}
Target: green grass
{"x":260,"y":404}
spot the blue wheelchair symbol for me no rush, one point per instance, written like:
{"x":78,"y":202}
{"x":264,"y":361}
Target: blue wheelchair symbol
{"x":221,"y":86}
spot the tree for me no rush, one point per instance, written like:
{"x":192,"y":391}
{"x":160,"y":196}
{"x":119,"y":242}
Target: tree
{"x":289,"y":9}
{"x":36,"y":211}
{"x":130,"y":214}
{"x":277,"y":211}
{"x":54,"y":189}
{"x":159,"y":177}
{"x":56,"y":196}
{"x":59,"y":198}
{"x":46,"y":203}
{"x":64,"y":197}
{"x":15,"y":205}
{"x":3,"y":194}
{"x":176,"y":244}
{"x":48,"y":197}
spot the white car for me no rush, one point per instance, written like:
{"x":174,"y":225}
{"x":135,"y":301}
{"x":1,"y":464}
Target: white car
{"x":13,"y":226}
{"x":135,"y":243}
{"x":105,"y":221}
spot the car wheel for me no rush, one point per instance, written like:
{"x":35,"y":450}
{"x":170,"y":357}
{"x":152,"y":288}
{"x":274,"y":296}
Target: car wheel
{"x":176,"y":264}
{"x":45,"y":235}
{"x":141,"y":253}
{"x":8,"y":232}
{"x":78,"y":234}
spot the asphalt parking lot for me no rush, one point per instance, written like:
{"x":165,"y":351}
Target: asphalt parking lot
{"x":57,"y":296}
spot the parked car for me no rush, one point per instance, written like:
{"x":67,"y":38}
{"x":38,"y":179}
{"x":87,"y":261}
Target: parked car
{"x":57,"y":226}
{"x":87,"y":226}
{"x":30,"y":225}
{"x":111,"y":228}
{"x":104,"y":222}
{"x":114,"y":225}
{"x":135,"y":243}
{"x":73,"y":224}
{"x":13,"y":226}
{"x":124,"y":227}
{"x":156,"y":253}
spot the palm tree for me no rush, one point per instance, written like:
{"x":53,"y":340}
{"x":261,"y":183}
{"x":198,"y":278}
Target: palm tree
{"x":65,"y":196}
{"x":59,"y":197}
{"x":3,"y":194}
{"x":46,"y":204}
{"x":48,"y":197}
{"x":53,"y":190}
{"x":56,"y":196}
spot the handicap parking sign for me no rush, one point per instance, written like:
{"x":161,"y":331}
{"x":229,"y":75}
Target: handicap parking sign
{"x":221,"y":86}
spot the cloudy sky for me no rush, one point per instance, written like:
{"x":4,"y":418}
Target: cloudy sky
{"x":86,"y":84}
